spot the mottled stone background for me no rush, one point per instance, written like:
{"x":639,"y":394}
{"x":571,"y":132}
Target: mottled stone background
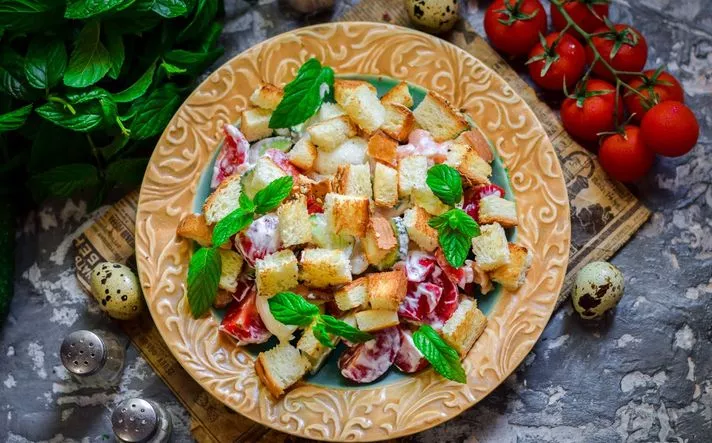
{"x":644,"y":376}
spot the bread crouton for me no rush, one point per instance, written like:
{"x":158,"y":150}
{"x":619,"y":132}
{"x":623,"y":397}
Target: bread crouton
{"x":399,"y":94}
{"x":294,"y":225}
{"x":312,"y":348}
{"x":265,"y":172}
{"x":346,"y":214}
{"x":321,"y":268}
{"x":276,"y":273}
{"x":464,"y":327}
{"x":478,"y":142}
{"x":303,"y":154}
{"x":513,"y":275}
{"x":361,"y":103}
{"x":280,"y":368}
{"x":327,"y":135}
{"x":437,"y":116}
{"x":195,"y":227}
{"x":416,"y":223}
{"x":267,"y":96}
{"x":230,"y":269}
{"x":383,"y":148}
{"x":399,"y":123}
{"x":353,"y":295}
{"x":386,"y":290}
{"x":424,"y":197}
{"x":330,"y":110}
{"x":254,"y":124}
{"x":494,"y":209}
{"x":385,"y":186}
{"x":223,"y":200}
{"x":354,"y":180}
{"x":352,"y":151}
{"x":412,"y":172}
{"x":314,"y":190}
{"x":223,"y":299}
{"x":474,"y":169}
{"x":490,"y":247}
{"x":380,"y":240}
{"x":375,"y":319}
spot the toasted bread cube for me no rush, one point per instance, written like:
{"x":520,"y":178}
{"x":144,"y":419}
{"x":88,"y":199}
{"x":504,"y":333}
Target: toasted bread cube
{"x":385,"y":186}
{"x":424,"y":197}
{"x":276,"y":273}
{"x":267,"y":96}
{"x":330,"y":110}
{"x":412,"y":172}
{"x":223,"y":200}
{"x":469,"y":164}
{"x":416,"y":223}
{"x":353,"y":295}
{"x":361,"y":103}
{"x":265,"y":172}
{"x":254,"y":124}
{"x":303,"y":154}
{"x":354,"y":180}
{"x":490,"y":247}
{"x":437,"y":116}
{"x":312,"y":348}
{"x":462,"y":330}
{"x":399,"y":123}
{"x":513,"y":275}
{"x":329,"y":134}
{"x":322,"y":268}
{"x":294,"y":225}
{"x":315,"y":191}
{"x":230,"y":269}
{"x":195,"y":227}
{"x":352,"y":151}
{"x":399,"y":94}
{"x":346,"y":214}
{"x":494,"y":209}
{"x":481,"y":278}
{"x":383,"y":148}
{"x":478,"y":142}
{"x":280,"y":368}
{"x":223,"y":299}
{"x":380,"y":240}
{"x":375,"y":319}
{"x":386,"y":290}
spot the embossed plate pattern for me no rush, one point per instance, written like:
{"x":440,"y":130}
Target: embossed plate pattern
{"x":417,"y":402}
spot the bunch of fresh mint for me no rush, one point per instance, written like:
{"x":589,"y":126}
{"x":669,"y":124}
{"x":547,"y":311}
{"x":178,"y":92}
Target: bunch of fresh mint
{"x":87,"y":86}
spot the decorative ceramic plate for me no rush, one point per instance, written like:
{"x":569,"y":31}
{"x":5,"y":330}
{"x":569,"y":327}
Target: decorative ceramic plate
{"x":325,"y":407}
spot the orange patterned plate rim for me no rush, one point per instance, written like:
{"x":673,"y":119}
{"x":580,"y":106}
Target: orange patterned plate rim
{"x":418,"y":402}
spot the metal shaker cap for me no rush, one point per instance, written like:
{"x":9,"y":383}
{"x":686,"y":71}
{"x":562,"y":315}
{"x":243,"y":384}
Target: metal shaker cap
{"x":83,"y":352}
{"x":134,"y":420}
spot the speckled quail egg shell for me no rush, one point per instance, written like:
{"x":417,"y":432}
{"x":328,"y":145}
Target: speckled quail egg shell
{"x":117,"y":290}
{"x":432,"y":15}
{"x":598,"y":288}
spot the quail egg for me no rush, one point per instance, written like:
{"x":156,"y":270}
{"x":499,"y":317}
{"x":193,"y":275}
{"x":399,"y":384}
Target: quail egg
{"x":598,"y":289}
{"x":433,"y":16}
{"x":117,"y":290}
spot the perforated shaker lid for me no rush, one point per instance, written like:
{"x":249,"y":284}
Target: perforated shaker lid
{"x":134,"y":420}
{"x":83,"y":352}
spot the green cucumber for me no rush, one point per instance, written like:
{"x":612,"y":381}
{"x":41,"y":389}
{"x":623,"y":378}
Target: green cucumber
{"x":324,"y":238}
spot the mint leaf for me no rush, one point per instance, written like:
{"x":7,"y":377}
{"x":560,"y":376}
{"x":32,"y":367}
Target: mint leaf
{"x":455,"y":231}
{"x":138,"y":88}
{"x":90,"y":61}
{"x":445,"y":360}
{"x":446,"y":184}
{"x":271,"y":196}
{"x":291,"y":309}
{"x":245,"y":203}
{"x":233,"y":223}
{"x":45,"y":62}
{"x":205,"y":12}
{"x":345,"y":330}
{"x":65,"y":180}
{"x":303,"y":95}
{"x":12,"y":76}
{"x":84,"y":119}
{"x":14,"y":119}
{"x":152,"y":113}
{"x":170,"y":8}
{"x":203,"y":278}
{"x":172,"y":69}
{"x":78,"y":96}
{"x":80,"y":9}
{"x":191,"y":62}
{"x":319,"y":331}
{"x":115,"y":46}
{"x":127,"y":171}
{"x":29,"y":15}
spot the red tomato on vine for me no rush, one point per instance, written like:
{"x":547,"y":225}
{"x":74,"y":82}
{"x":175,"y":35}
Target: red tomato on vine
{"x":557,"y":60}
{"x":513,"y":26}
{"x":622,"y":47}
{"x":656,"y":86}
{"x":624,"y":156}
{"x":590,"y":110}
{"x":588,"y":14}
{"x":670,"y":129}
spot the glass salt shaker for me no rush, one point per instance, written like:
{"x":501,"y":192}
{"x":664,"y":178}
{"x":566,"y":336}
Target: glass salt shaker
{"x":93,"y":357}
{"x":141,"y":421}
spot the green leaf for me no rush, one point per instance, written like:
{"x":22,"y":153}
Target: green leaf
{"x":203,"y":279}
{"x":345,"y":330}
{"x":14,"y":119}
{"x":152,"y":113}
{"x":245,"y":203}
{"x":90,"y":61}
{"x":192,"y":62}
{"x":271,"y":196}
{"x":233,"y":223}
{"x":455,"y":231}
{"x":204,"y":15}
{"x":85,"y":119}
{"x":170,"y":8}
{"x":81,"y":9}
{"x":138,"y":88}
{"x":65,"y":180}
{"x":29,"y":15}
{"x":303,"y":95}
{"x":127,"y":171}
{"x":445,"y":359}
{"x":117,"y":53}
{"x":319,"y":330}
{"x":45,"y":62}
{"x":446,"y":184}
{"x":211,"y":36}
{"x":291,"y":309}
{"x":12,"y":76}
{"x":172,"y":69}
{"x":79,"y":96}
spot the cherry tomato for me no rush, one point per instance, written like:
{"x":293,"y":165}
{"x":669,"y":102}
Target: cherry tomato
{"x":657,"y":86}
{"x":555,"y":61}
{"x":591,"y":110}
{"x":622,"y":47}
{"x":513,"y":26}
{"x":588,"y":14}
{"x":625,"y":157}
{"x":670,"y":129}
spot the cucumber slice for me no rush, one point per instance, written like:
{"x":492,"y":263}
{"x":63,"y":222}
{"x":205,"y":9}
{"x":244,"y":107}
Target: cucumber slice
{"x":395,"y":254}
{"x":259,"y":148}
{"x":324,"y":238}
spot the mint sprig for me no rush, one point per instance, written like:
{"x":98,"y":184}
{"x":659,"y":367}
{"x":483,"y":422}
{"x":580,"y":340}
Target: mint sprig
{"x":455,"y":231}
{"x":203,"y":279}
{"x":445,"y":359}
{"x":446,"y":183}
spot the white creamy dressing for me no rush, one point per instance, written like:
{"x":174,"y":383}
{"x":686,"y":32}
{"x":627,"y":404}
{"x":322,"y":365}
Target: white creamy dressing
{"x":420,"y":142}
